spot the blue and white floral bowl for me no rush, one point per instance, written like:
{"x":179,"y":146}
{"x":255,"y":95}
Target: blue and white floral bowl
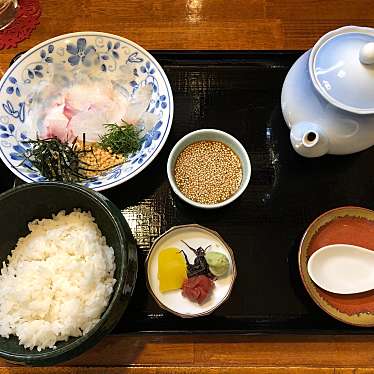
{"x":72,"y":52}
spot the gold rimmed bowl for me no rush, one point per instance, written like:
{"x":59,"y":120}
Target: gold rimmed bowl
{"x":335,"y":227}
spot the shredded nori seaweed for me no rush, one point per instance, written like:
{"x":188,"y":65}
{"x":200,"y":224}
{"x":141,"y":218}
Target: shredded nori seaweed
{"x":57,"y":160}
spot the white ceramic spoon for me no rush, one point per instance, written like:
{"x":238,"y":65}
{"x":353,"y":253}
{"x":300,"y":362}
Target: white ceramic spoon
{"x":342,"y":268}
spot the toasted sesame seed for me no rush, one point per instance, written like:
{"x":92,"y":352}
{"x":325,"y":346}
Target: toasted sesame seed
{"x":208,"y":172}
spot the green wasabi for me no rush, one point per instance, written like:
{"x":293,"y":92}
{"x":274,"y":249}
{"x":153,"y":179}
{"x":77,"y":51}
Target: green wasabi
{"x":218,"y":263}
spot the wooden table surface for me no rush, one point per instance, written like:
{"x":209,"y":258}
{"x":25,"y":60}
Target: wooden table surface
{"x":202,"y":25}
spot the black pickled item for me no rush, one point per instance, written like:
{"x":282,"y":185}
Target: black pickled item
{"x":57,"y":160}
{"x":200,"y":265}
{"x":25,"y":203}
{"x":239,"y":92}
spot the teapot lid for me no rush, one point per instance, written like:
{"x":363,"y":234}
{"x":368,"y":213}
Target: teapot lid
{"x":341,"y":66}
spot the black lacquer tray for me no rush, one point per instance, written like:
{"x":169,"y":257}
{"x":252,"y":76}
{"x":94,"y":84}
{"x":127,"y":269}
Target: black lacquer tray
{"x":239,"y":92}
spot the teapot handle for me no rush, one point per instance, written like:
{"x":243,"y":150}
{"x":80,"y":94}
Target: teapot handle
{"x":367,"y":54}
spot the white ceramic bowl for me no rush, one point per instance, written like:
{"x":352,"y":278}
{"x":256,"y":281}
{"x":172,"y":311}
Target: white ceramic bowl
{"x":196,"y":236}
{"x":212,"y":135}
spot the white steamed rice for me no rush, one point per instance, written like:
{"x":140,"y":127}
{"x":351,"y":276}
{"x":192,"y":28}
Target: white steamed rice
{"x":58,"y":281}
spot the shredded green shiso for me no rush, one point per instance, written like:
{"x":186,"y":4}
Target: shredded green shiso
{"x":122,"y":139}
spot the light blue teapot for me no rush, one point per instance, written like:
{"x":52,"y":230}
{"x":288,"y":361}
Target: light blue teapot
{"x":328,"y":94}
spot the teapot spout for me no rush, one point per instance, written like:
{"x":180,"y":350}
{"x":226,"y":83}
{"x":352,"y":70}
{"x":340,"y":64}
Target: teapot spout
{"x":309,"y":140}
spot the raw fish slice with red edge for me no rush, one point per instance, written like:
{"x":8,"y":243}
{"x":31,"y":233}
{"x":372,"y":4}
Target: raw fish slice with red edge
{"x":56,"y":125}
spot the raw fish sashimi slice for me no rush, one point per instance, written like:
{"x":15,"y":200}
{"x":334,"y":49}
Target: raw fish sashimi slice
{"x":112,"y":110}
{"x":147,"y":121}
{"x":90,"y":123}
{"x":138,"y":104}
{"x":81,"y":97}
{"x":56,"y":124}
{"x":85,"y":109}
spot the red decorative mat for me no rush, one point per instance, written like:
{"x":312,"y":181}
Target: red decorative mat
{"x":27,"y":18}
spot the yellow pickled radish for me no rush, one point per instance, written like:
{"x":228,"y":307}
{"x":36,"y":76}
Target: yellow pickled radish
{"x":172,"y":269}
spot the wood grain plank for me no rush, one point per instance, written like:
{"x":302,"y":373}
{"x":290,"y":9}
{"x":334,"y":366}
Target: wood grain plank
{"x":247,"y":370}
{"x":199,"y":24}
{"x":79,"y":370}
{"x":334,"y":351}
{"x":303,"y":34}
{"x":317,"y":9}
{"x":176,"y":370}
{"x":183,"y":11}
{"x":229,"y":351}
{"x":167,"y":24}
{"x":234,"y":35}
{"x":138,"y":350}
